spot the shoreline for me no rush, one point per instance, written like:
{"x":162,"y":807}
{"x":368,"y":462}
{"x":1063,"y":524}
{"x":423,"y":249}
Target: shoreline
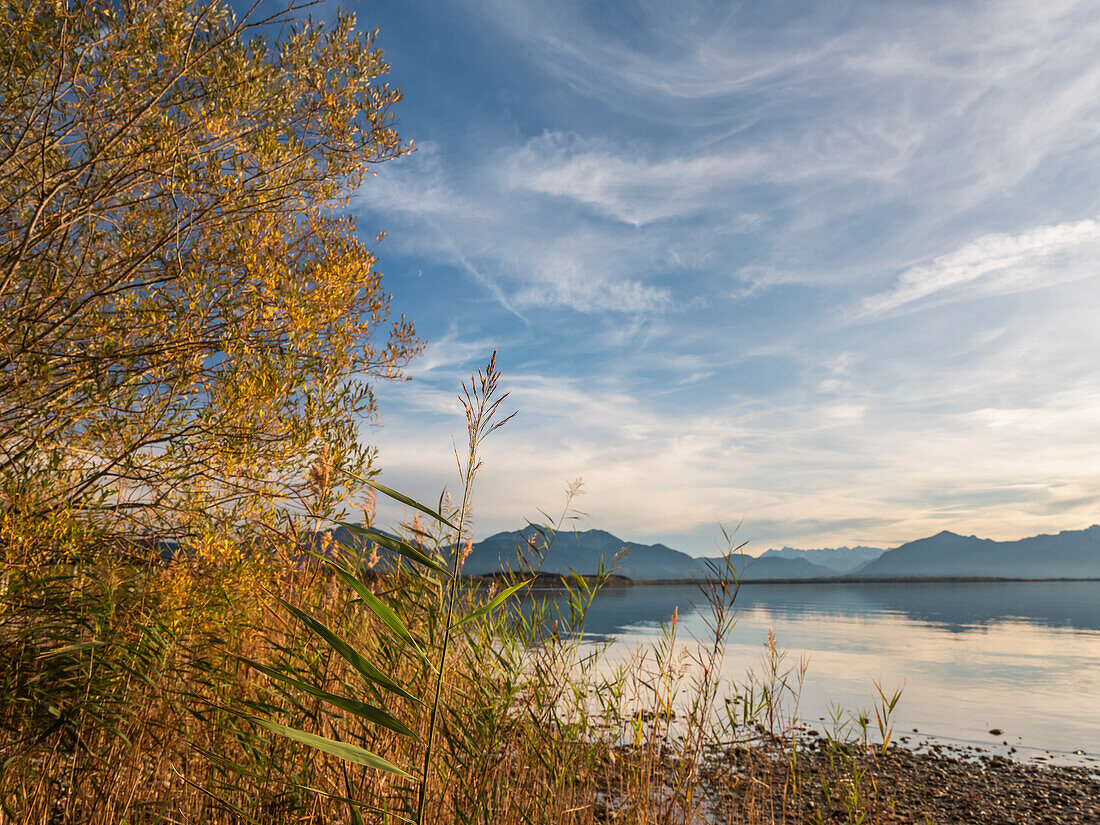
{"x":942,"y":785}
{"x":894,"y":580}
{"x":553,"y":580}
{"x":868,"y":580}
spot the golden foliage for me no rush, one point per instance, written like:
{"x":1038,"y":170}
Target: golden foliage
{"x":185,"y":321}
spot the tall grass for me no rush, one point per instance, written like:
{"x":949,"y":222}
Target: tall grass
{"x":188,"y":692}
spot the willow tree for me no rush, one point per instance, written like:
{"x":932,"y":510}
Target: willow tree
{"x":186,"y":318}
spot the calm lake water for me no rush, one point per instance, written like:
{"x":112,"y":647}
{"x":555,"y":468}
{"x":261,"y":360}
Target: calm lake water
{"x":1023,"y":657}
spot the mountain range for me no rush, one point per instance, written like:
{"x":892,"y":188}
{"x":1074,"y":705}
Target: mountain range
{"x":1065,"y":555}
{"x":582,"y":552}
{"x":1069,"y":554}
{"x":840,"y":559}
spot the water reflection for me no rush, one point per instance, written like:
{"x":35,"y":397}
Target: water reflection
{"x":1019,"y":656}
{"x":957,"y":607}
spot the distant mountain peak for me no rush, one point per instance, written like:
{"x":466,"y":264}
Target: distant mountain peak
{"x":583,"y":551}
{"x":1067,"y":555}
{"x":833,"y":560}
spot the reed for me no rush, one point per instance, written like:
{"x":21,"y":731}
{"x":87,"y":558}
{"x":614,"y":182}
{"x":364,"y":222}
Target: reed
{"x":329,"y":690}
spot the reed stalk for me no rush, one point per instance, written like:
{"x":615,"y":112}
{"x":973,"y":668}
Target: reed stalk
{"x":481,"y":402}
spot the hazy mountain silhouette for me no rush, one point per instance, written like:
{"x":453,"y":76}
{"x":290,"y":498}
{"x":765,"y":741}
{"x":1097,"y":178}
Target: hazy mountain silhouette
{"x":583,"y":552}
{"x":1069,"y":554}
{"x":777,"y":567}
{"x":837,"y":559}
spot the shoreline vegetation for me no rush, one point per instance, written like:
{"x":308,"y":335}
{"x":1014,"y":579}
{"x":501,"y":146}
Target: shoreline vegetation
{"x":157,"y":719}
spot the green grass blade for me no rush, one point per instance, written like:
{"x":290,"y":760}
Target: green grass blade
{"x":226,"y":764}
{"x":494,"y":604}
{"x":341,"y":750}
{"x":353,"y":656}
{"x":396,"y":496}
{"x":396,"y":545}
{"x":376,"y":605}
{"x":372,"y":714}
{"x":76,"y":648}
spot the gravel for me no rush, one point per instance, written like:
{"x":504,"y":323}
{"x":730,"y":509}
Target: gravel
{"x":941,"y":787}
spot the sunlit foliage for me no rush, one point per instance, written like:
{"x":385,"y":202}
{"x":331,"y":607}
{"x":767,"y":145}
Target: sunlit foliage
{"x":186,"y":319}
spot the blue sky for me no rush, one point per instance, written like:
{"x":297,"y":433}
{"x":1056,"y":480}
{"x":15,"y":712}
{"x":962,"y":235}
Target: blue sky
{"x":827,"y":271}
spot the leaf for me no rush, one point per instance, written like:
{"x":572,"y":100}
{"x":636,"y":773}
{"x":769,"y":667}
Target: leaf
{"x":396,"y":496}
{"x":377,"y":606}
{"x":396,"y":545}
{"x":494,"y":604}
{"x":353,"y":656}
{"x":217,"y":799}
{"x":371,"y":713}
{"x":61,"y":651}
{"x":342,"y":750}
{"x":225,"y":763}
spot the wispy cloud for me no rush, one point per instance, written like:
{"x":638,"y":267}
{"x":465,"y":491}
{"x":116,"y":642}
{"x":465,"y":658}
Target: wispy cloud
{"x":997,"y":264}
{"x":904,"y":94}
{"x":524,"y":257}
{"x":826,"y":267}
{"x":627,"y":188}
{"x":842,"y":468}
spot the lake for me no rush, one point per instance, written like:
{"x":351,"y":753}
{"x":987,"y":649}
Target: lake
{"x":1022,"y":657}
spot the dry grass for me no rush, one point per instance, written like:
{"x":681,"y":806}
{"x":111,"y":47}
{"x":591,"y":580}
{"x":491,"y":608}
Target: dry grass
{"x":533,"y":726}
{"x":129,"y":693}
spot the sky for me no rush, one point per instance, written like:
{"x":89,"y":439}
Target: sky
{"x":822,"y":273}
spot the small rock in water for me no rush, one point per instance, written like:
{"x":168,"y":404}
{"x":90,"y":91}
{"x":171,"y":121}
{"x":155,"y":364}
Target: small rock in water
{"x":997,"y":732}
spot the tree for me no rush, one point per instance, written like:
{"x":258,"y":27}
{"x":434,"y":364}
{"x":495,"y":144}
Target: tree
{"x":186,"y":320}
